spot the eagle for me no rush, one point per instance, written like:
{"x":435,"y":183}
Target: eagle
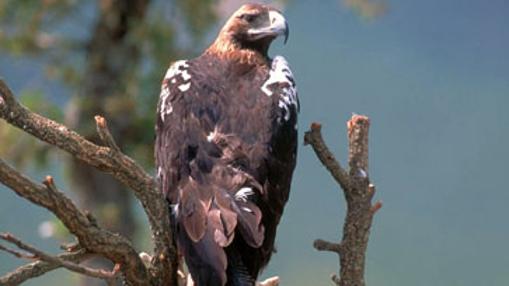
{"x":226,"y":147}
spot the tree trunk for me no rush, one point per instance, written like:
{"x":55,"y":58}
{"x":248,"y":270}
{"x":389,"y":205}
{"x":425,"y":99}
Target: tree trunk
{"x":111,"y":58}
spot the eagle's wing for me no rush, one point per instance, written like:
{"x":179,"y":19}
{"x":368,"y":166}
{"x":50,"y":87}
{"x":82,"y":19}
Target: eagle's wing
{"x":225,"y":152}
{"x":280,"y":86}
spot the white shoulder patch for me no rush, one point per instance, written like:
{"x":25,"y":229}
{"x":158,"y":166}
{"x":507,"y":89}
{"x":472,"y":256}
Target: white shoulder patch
{"x":280,"y":72}
{"x":243,"y":194}
{"x":178,"y":68}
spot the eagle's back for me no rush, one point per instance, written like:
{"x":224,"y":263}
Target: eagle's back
{"x":225,"y":153}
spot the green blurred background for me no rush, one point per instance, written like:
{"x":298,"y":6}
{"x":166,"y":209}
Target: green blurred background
{"x":432,"y":75}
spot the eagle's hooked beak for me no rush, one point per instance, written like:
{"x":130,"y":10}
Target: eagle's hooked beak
{"x":277,"y":27}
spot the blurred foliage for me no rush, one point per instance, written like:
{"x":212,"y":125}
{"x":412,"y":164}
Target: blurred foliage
{"x":24,"y":150}
{"x":199,"y":14}
{"x":56,"y":32}
{"x":367,"y":9}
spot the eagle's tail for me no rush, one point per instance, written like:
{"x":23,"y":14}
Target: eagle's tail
{"x":237,"y":272}
{"x":213,"y":214}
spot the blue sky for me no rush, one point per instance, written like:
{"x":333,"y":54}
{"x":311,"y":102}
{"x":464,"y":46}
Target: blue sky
{"x":433,"y":77}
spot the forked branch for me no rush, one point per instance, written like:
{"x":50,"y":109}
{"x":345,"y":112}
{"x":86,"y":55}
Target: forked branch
{"x":39,"y":267}
{"x":358,"y":192}
{"x":60,"y":262}
{"x":110,"y":159}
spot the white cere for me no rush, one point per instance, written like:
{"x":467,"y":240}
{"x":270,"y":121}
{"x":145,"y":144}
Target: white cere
{"x":243,"y":194}
{"x":280,"y":73}
{"x":179,"y":68}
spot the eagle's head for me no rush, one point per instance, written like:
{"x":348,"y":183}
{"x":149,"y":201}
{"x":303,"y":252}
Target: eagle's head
{"x":251,"y":29}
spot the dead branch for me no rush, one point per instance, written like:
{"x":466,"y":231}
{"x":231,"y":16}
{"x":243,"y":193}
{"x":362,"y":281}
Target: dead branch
{"x":110,"y":160}
{"x":315,"y":139}
{"x":43,"y":256}
{"x":39,"y":267}
{"x":358,"y":193}
{"x":16,"y":253}
{"x":105,"y":134}
{"x":112,"y":246}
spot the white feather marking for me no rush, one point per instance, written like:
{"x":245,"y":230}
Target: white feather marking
{"x":280,"y":73}
{"x":175,"y":209}
{"x":159,"y":172}
{"x":185,"y":86}
{"x":243,"y":194}
{"x":212,"y":135}
{"x":284,"y":106}
{"x":246,"y":209}
{"x":176,"y":69}
{"x":185,"y":75}
{"x":165,"y":107}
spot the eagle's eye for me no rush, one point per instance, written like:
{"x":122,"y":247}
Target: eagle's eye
{"x":248,"y":17}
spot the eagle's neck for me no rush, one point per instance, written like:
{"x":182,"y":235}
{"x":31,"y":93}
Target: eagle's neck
{"x":227,"y":48}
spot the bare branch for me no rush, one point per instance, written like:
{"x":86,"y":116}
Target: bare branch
{"x":105,"y":134}
{"x":376,"y":207}
{"x":323,"y":245}
{"x":97,"y":273}
{"x":358,"y":127}
{"x":358,"y":194}
{"x":113,"y":246}
{"x":17,"y":253}
{"x":38,"y":268}
{"x":110,"y":161}
{"x":314,"y":138}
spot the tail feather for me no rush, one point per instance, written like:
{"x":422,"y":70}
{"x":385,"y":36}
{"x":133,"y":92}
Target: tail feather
{"x":206,"y":260}
{"x":237,"y":272}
